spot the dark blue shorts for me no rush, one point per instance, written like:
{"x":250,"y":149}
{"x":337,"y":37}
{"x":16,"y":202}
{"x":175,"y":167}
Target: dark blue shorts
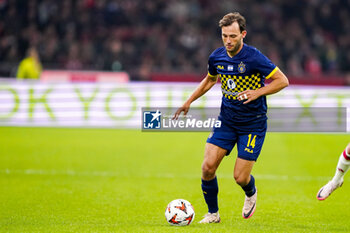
{"x":249,"y":142}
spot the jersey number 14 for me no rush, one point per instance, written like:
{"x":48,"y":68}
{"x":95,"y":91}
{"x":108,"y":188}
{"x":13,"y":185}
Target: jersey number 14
{"x":251,"y":141}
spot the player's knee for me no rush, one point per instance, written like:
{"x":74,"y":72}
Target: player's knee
{"x":208,"y":170}
{"x":241,"y":180}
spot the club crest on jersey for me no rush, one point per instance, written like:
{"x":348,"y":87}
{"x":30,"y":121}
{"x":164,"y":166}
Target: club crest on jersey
{"x":241,"y":67}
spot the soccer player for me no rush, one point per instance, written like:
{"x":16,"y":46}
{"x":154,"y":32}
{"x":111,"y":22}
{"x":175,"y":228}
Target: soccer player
{"x":242,"y":70}
{"x":337,"y":181}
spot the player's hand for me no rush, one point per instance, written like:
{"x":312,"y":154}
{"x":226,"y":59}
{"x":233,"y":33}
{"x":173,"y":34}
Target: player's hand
{"x":248,"y":96}
{"x":184,"y":109}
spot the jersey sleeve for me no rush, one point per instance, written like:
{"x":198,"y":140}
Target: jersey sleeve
{"x":211,"y":67}
{"x":264,"y":66}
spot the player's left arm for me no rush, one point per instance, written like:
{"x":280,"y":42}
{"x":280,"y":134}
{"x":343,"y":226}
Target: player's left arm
{"x":279,"y":81}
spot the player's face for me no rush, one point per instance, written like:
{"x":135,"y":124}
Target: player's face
{"x":232,"y":38}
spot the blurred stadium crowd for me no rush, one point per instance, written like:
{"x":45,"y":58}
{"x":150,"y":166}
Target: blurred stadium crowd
{"x":143,"y":36}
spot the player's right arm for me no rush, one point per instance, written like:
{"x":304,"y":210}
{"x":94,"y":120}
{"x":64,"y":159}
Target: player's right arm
{"x":207,"y":83}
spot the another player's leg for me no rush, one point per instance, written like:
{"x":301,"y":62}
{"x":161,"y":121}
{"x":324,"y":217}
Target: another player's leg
{"x":212,"y":158}
{"x":243,"y":178}
{"x":337,"y":181}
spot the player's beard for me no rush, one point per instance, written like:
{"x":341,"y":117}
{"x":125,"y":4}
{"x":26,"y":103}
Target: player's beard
{"x":236,"y":48}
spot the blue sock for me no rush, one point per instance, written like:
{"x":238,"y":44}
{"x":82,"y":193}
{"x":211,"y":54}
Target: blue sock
{"x":210,"y":191}
{"x":250,"y":189}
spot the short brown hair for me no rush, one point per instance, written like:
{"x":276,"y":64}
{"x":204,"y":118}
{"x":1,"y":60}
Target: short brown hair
{"x":230,"y":18}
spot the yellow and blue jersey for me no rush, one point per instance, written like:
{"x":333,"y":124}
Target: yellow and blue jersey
{"x":247,"y":70}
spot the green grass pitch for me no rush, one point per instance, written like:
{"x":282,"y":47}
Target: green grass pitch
{"x":105,"y":180}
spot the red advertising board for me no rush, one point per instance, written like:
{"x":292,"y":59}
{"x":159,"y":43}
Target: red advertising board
{"x":84,"y":76}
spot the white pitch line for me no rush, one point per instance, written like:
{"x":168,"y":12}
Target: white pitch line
{"x":162,"y":175}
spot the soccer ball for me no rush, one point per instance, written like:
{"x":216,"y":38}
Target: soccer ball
{"x":179,"y":212}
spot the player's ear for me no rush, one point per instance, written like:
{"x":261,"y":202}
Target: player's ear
{"x":244,"y":33}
